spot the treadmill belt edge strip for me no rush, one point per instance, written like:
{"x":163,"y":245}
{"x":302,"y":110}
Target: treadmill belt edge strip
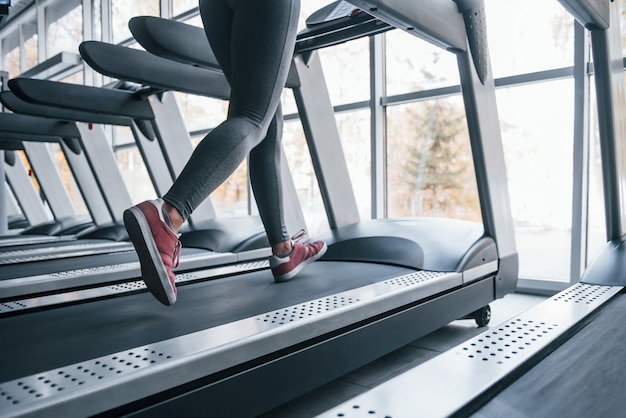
{"x":99,"y":384}
{"x":23,"y":286}
{"x":13,"y":307}
{"x":71,"y":250}
{"x":447,"y":384}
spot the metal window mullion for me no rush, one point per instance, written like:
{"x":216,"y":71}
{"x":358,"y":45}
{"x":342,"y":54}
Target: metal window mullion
{"x":105,"y":15}
{"x":165,"y":7}
{"x":42,"y":35}
{"x":88,"y":34}
{"x":49,"y":178}
{"x":378,"y":129}
{"x":4,"y":227}
{"x":606,"y":47}
{"x":20,"y":42}
{"x":580,"y":169}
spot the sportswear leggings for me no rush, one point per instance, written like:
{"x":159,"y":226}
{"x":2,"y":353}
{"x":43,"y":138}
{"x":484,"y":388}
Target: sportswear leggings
{"x":253,"y":41}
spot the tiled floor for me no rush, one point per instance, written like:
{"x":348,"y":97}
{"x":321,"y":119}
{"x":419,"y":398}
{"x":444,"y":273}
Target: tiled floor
{"x":409,"y":356}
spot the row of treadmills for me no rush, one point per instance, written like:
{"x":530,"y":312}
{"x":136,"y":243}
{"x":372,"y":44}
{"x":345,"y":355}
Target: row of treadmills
{"x":81,"y":336}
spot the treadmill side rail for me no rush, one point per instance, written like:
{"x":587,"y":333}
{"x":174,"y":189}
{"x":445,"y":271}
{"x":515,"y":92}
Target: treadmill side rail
{"x":120,"y":378}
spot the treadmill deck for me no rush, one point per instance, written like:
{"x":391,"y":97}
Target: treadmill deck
{"x":100,"y":354}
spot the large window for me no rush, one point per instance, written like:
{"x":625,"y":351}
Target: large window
{"x":132,"y":166}
{"x":68,"y":179}
{"x":427,"y":159}
{"x":414,"y":65}
{"x":64,"y":27}
{"x":301,"y":168}
{"x":123,"y":10}
{"x":12,"y":54}
{"x":31,"y":45}
{"x":529,"y":36}
{"x":181,"y":6}
{"x":596,"y":231}
{"x":537,"y":130}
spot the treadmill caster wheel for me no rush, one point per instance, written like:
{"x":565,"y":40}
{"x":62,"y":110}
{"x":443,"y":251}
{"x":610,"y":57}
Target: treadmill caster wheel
{"x":482,"y":316}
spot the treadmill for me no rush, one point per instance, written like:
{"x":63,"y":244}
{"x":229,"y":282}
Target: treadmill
{"x":158,"y":128}
{"x":562,"y":357}
{"x":52,"y":271}
{"x":40,"y":228}
{"x":87,"y":159}
{"x":159,"y":131}
{"x":242,"y":345}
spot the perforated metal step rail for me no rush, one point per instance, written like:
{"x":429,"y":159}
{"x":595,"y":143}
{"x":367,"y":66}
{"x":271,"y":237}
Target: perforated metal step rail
{"x":100,"y":384}
{"x":11,"y":289}
{"x":75,"y":250}
{"x":23,"y":305}
{"x":444,"y":385}
{"x":36,"y":239}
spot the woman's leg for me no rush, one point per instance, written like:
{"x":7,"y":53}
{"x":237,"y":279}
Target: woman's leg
{"x":253,"y":42}
{"x":265,"y":179}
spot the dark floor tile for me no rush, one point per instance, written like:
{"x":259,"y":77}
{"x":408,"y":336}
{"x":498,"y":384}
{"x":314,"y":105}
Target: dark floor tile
{"x":317,"y":401}
{"x":388,"y":366}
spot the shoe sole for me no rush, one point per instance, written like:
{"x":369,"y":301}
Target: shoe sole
{"x":153,"y":270}
{"x":288,"y":276}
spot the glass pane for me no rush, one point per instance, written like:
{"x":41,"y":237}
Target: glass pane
{"x":624,"y":26}
{"x":97,"y":20}
{"x":31,"y":172}
{"x":13,"y":208}
{"x":135,"y":174}
{"x":122,"y":135}
{"x":288,"y":102}
{"x":307,"y":8}
{"x":195,"y":21}
{"x":354,"y":131}
{"x":299,"y":159}
{"x":430,"y":169}
{"x":11,"y":59}
{"x":181,"y":6}
{"x":122,"y":11}
{"x":200,"y":112}
{"x":64,"y":25}
{"x":413,"y":64}
{"x":538,"y":151}
{"x":596,"y":221}
{"x":346,"y":69}
{"x":528,"y":36}
{"x":68,"y":180}
{"x":76,"y":78}
{"x":31,"y":51}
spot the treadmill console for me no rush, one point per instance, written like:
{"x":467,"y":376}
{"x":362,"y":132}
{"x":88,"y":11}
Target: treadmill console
{"x":334,"y":11}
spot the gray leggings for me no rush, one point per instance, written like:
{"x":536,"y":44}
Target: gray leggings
{"x":253,"y":41}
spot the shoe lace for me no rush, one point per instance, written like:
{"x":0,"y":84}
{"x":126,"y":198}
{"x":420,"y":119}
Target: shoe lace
{"x":298,"y":236}
{"x":176,"y":256}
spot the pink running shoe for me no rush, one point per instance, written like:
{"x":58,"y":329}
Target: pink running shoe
{"x":157,"y":246}
{"x":285,"y":268}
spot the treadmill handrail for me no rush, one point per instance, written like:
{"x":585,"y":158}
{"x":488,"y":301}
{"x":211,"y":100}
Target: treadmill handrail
{"x":24,"y":124}
{"x":80,"y":98}
{"x":436,"y":21}
{"x":145,"y":68}
{"x":18,"y":105}
{"x":592,"y":14}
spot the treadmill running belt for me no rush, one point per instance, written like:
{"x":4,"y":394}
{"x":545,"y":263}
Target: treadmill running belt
{"x":585,"y":377}
{"x":49,"y":339}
